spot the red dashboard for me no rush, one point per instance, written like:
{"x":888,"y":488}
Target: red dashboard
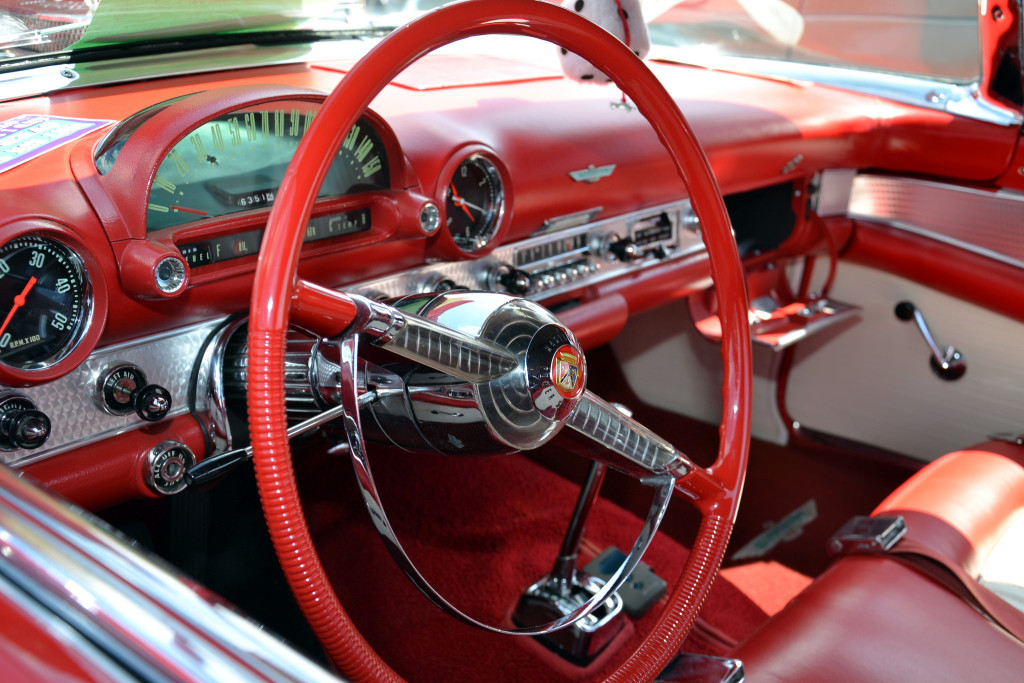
{"x":163,"y":217}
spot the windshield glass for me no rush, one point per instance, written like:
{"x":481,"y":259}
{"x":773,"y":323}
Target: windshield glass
{"x":932,"y":38}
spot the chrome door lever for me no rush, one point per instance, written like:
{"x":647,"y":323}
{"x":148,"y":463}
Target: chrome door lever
{"x":946,"y":361}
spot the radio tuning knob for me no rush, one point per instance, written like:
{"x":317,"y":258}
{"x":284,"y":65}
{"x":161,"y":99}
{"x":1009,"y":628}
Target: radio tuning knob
{"x":625,"y":250}
{"x":512,"y":280}
{"x":123,"y":390}
{"x":21,"y":425}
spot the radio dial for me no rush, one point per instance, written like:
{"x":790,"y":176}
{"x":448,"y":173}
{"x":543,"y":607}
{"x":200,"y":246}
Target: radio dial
{"x":625,"y":250}
{"x":514,"y":281}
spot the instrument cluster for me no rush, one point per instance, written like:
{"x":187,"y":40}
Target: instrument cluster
{"x":192,"y":182}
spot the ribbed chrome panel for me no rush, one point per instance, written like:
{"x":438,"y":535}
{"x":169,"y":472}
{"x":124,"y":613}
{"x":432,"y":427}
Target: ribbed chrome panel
{"x":70,"y":402}
{"x":602,"y":422}
{"x":595,"y":265}
{"x":438,"y":347}
{"x":985,"y":222}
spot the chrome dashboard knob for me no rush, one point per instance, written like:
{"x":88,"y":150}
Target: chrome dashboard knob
{"x":512,"y":280}
{"x":123,"y":389}
{"x":152,"y":402}
{"x":625,"y":250}
{"x":21,"y":424}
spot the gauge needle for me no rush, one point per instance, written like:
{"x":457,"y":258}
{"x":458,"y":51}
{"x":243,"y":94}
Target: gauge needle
{"x":19,"y":301}
{"x":188,"y":210}
{"x":460,"y":202}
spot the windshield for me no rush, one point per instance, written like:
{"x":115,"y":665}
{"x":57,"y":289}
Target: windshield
{"x":931,"y":38}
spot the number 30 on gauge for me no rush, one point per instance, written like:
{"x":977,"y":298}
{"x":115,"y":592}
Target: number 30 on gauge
{"x":43,"y":302}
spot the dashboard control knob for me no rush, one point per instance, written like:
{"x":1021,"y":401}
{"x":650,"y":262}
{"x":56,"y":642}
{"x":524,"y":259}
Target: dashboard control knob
{"x":21,"y":425}
{"x":439,"y":284}
{"x":166,"y":465}
{"x":152,"y":402}
{"x":514,"y":281}
{"x":625,"y":250}
{"x":123,"y":390}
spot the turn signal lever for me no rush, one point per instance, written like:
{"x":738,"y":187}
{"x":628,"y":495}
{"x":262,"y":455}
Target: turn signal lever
{"x":946,"y":361}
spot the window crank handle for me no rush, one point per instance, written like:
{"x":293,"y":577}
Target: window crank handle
{"x":946,"y":361}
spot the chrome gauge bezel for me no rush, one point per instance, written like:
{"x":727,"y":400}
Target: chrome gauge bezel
{"x":83,"y":320}
{"x":491,"y":216}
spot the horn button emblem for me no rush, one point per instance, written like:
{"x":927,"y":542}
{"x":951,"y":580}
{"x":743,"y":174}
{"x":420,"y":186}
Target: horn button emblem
{"x":567,"y":371}
{"x":557,"y":372}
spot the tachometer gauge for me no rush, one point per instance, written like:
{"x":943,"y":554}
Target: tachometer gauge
{"x":236,"y":162}
{"x":44,"y":302}
{"x":474,"y":202}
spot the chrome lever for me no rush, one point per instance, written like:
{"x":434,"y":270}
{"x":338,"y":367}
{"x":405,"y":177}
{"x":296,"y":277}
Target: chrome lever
{"x":946,"y":361}
{"x":222,"y":463}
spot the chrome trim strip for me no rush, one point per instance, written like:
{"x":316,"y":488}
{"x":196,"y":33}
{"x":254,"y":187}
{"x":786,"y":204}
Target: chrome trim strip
{"x":985,"y":222}
{"x":961,"y":99}
{"x":127,"y":603}
{"x":48,"y":79}
{"x":476,"y":274}
{"x":66,"y":636}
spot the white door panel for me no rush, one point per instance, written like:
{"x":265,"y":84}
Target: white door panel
{"x":871,"y":381}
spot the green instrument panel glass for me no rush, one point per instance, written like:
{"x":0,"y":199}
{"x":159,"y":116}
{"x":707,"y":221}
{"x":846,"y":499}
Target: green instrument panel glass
{"x":236,"y":163}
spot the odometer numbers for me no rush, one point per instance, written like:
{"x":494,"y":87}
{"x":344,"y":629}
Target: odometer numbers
{"x":43,"y":302}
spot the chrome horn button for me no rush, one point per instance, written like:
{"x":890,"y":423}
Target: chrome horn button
{"x":529,"y":405}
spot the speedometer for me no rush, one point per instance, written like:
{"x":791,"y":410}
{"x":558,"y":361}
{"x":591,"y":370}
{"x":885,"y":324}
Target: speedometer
{"x":236,"y":162}
{"x":44,"y":301}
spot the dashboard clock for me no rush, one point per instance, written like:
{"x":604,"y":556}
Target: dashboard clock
{"x":475,"y":201}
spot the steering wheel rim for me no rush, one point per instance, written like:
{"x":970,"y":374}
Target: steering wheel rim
{"x":275,"y":287}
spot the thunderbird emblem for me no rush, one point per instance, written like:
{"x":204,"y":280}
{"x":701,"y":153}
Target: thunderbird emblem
{"x":567,"y":372}
{"x":592,"y":174}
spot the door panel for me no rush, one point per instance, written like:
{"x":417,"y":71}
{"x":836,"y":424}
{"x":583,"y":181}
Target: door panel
{"x":871,"y":381}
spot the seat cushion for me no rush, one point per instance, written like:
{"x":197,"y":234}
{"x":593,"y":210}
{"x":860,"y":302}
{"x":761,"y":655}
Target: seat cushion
{"x":872,"y":618}
{"x":876,"y":618}
{"x":961,"y":505}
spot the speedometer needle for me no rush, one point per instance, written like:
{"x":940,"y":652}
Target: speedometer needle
{"x":19,"y":301}
{"x":187,"y":209}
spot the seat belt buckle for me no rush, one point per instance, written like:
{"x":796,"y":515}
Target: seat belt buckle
{"x":864,"y":535}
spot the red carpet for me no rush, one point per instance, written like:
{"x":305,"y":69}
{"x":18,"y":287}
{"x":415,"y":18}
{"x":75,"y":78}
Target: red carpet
{"x":481,"y":530}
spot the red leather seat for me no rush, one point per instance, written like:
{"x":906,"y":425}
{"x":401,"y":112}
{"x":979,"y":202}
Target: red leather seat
{"x":962,"y":504}
{"x":876,"y":618}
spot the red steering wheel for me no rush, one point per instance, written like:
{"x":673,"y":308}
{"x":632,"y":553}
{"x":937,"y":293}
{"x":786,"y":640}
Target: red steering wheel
{"x":277,"y":295}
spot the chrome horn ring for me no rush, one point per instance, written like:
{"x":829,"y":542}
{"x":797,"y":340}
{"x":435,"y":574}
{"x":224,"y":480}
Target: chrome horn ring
{"x":523,"y":408}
